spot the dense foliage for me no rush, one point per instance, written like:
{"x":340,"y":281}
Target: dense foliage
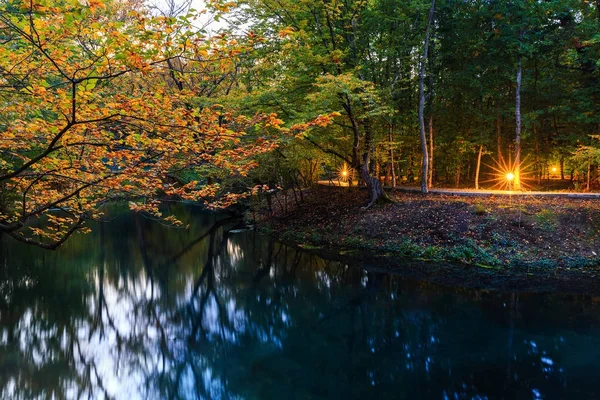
{"x":362,"y":59}
{"x":105,"y":100}
{"x":102,"y":101}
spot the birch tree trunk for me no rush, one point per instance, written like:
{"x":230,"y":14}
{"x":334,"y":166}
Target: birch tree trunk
{"x":517,"y":169}
{"x":430,"y":180}
{"x":478,"y":167}
{"x":589,"y":173}
{"x":425,"y":165}
{"x":391,"y":142}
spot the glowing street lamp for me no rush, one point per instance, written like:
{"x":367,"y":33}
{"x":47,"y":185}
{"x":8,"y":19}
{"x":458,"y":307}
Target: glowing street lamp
{"x":344,"y":174}
{"x":510,"y":177}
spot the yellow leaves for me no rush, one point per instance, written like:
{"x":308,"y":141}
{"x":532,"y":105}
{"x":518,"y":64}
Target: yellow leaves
{"x":223,"y":7}
{"x":336,"y":56}
{"x":301,"y":128}
{"x":139,"y":129}
{"x":35,"y":6}
{"x":136,"y":61}
{"x":286,"y":32}
{"x":172,"y":220}
{"x":94,"y":5}
{"x":273,"y":121}
{"x":38,"y":90}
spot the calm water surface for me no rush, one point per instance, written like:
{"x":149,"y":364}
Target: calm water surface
{"x":135,"y":310}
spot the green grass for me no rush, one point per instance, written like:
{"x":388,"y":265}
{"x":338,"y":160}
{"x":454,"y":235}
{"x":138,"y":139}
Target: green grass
{"x":499,"y":252}
{"x":546,"y":220}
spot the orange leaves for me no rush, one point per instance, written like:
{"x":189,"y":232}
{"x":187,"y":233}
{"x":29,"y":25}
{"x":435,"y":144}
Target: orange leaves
{"x":111,"y":110}
{"x":286,"y":32}
{"x":38,"y":90}
{"x":222,"y":6}
{"x":324,"y":120}
{"x":136,"y":61}
{"x":38,"y":6}
{"x":94,"y":5}
{"x":271,"y":120}
{"x":320,"y":121}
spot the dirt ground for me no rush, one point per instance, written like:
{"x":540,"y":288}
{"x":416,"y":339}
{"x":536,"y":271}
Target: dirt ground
{"x":527,"y":240}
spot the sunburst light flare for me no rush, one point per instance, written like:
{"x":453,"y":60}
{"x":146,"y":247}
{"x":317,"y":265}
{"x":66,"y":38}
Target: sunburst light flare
{"x":344,"y":174}
{"x":509,"y":175}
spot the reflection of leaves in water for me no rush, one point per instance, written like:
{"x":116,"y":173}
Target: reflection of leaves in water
{"x":137,"y":310}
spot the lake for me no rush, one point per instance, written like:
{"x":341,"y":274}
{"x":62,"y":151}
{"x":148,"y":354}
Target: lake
{"x":138,"y":310}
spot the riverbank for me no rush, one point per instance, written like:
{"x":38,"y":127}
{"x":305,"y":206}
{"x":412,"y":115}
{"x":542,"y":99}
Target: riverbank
{"x":531,"y":243}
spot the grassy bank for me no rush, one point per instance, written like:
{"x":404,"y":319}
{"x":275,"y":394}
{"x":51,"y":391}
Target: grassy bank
{"x":491,"y":232}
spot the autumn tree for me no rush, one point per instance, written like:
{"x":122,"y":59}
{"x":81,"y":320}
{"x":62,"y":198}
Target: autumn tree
{"x":312,"y":63}
{"x":88,"y":115}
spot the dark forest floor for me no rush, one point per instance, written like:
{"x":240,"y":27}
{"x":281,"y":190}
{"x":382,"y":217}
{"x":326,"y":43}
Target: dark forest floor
{"x":544,"y":244}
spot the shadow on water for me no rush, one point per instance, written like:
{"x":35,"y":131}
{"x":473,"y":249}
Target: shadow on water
{"x":138,"y":310}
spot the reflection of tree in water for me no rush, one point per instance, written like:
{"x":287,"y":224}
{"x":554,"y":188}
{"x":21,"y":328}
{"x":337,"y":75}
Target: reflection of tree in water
{"x":136,"y":310}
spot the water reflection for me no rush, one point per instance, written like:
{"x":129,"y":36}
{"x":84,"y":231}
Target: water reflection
{"x":136,"y":310}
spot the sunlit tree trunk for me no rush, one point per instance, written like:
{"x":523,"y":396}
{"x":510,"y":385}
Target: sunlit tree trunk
{"x":431,"y":99}
{"x":517,"y":171}
{"x":425,"y":165}
{"x":478,"y":166}
{"x":589,"y":173}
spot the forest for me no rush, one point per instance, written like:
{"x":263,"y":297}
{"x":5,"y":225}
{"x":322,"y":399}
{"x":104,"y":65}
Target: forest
{"x":105,"y":101}
{"x":299,"y":199}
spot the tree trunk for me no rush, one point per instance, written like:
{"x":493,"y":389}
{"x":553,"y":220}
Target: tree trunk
{"x":425,"y":165}
{"x":457,"y":179}
{"x":572,"y":173}
{"x":478,"y":167}
{"x":562,"y":168}
{"x":430,"y":181}
{"x":469,"y":165}
{"x":374,"y":185}
{"x":373,"y":165}
{"x":387,"y":180}
{"x":295,"y":196}
{"x":499,"y":136}
{"x":431,"y":99}
{"x":517,"y":169}
{"x":539,"y":170}
{"x":391,"y":141}
{"x":347,"y":105}
{"x":589,"y":173}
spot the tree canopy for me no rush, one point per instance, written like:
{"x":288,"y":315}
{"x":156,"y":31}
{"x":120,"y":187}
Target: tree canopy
{"x":104,"y":100}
